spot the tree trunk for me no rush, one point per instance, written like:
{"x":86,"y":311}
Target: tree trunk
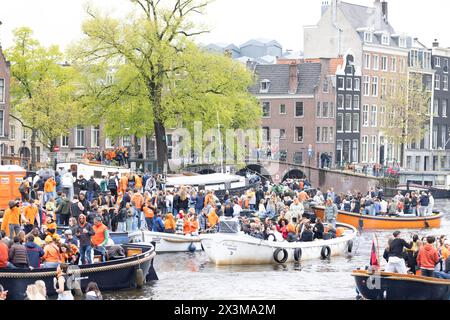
{"x":161,"y":146}
{"x":33,"y":149}
{"x":134,"y":145}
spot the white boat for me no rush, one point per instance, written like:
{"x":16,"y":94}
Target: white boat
{"x":240,"y":249}
{"x":167,"y":242}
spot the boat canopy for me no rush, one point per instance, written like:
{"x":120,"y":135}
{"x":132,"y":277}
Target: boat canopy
{"x":200,"y":180}
{"x":229,"y":225}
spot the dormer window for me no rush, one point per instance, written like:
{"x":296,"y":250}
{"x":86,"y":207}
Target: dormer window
{"x":385,"y":39}
{"x":402,"y":42}
{"x":265,"y":86}
{"x":368,"y":37}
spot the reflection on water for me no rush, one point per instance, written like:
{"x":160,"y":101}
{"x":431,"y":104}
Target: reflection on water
{"x":187,"y":276}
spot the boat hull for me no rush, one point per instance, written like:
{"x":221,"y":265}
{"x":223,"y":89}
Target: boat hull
{"x":391,"y":286}
{"x":231,"y":249}
{"x":167,"y":242}
{"x":110,"y":275}
{"x":383,"y":223}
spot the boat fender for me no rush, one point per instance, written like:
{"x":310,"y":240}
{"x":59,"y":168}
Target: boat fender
{"x":350,"y":246}
{"x":192,"y":248}
{"x":297,"y":254}
{"x":139,"y":278}
{"x":274,"y":238}
{"x":326,"y":252}
{"x":285,"y":255}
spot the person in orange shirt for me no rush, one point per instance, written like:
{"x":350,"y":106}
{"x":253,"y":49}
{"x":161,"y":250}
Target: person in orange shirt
{"x":50,"y":226}
{"x":49,"y":189}
{"x":138,"y":182}
{"x":213,"y":219}
{"x":31,"y":214}
{"x":52,"y":255}
{"x":11,"y":219}
{"x":149,"y":214}
{"x":169,"y":223}
{"x":194,"y":225}
{"x":101,"y":236}
{"x":303,"y":196}
{"x":208,"y":198}
{"x":123,"y":184}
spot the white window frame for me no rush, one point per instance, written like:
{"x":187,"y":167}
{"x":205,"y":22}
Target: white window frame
{"x":444,"y":108}
{"x":3,"y":91}
{"x":342,"y":123}
{"x":437,"y":62}
{"x":445,"y":82}
{"x":295,"y":110}
{"x":2,"y":131}
{"x":64,"y":145}
{"x":77,"y":144}
{"x":374,"y":86}
{"x":283,"y":104}
{"x":296,"y":136}
{"x":402,"y":42}
{"x":343,"y":83}
{"x":356,"y":84}
{"x":384,"y":67}
{"x":365,"y":149}
{"x":357,"y":129}
{"x":283,"y":137}
{"x":367,"y":59}
{"x":108,"y":143}
{"x":343,"y":102}
{"x":270,"y":109}
{"x":94,"y":130}
{"x":368,"y":36}
{"x":366,"y":115}
{"x":437,"y":82}
{"x":366,"y":85}
{"x":12,"y":132}
{"x":385,"y":39}
{"x":349,"y":107}
{"x":355,"y":151}
{"x":382,"y":116}
{"x":374,"y":116}
{"x":356,"y":106}
{"x":349,"y":128}
{"x":394,"y":64}
{"x":347,"y":81}
{"x":267,"y":85}
{"x":375,"y":62}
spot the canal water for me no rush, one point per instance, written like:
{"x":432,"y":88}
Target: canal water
{"x":187,"y":276}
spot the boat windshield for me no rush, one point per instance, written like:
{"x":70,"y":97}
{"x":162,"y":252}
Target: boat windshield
{"x":229,"y":225}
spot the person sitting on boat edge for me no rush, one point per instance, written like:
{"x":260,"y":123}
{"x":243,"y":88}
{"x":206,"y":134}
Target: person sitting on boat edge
{"x":428,"y":257}
{"x":34,"y":252}
{"x":445,"y":274}
{"x":394,"y":254}
{"x":318,"y":229}
{"x":158,"y":223}
{"x":18,"y":257}
{"x":169,"y":223}
{"x":307,"y":235}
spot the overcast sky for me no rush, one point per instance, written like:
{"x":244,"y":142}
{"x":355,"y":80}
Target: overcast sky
{"x":230,"y":21}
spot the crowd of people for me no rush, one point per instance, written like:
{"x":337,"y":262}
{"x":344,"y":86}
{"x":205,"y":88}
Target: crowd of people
{"x":117,"y":156}
{"x":375,"y":203}
{"x":427,"y":256}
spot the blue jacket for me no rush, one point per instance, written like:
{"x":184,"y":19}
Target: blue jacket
{"x":35,"y":252}
{"x":158,"y":225}
{"x":199,"y":202}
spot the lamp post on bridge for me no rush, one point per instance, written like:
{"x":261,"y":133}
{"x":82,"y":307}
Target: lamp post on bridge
{"x":310,"y":156}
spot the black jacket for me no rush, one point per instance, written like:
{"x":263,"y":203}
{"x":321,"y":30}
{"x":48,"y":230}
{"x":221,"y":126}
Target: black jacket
{"x":92,"y":185}
{"x":397,"y":246}
{"x":85,"y":238}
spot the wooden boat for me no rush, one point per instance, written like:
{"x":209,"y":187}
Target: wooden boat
{"x":236,"y":248}
{"x":129,"y":272}
{"x":163,"y":242}
{"x":392,"y":286}
{"x":367,"y":222}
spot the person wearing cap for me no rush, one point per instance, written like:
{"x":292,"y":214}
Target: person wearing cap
{"x":396,"y":262}
{"x":11,"y":219}
{"x":52,"y":255}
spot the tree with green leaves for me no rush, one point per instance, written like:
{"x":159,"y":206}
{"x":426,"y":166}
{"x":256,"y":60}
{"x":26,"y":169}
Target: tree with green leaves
{"x":407,"y":110}
{"x":42,"y":90}
{"x":168,"y":79}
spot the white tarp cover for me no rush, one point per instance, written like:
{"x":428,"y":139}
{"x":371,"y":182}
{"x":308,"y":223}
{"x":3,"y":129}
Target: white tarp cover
{"x":198,"y":180}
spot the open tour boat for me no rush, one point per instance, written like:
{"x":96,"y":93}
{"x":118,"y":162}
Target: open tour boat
{"x":232,"y":247}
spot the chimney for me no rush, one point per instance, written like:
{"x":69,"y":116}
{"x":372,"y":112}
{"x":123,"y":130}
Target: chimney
{"x":293,"y":78}
{"x":325,"y":6}
{"x":436,"y":43}
{"x":377,"y":5}
{"x":384,"y":10}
